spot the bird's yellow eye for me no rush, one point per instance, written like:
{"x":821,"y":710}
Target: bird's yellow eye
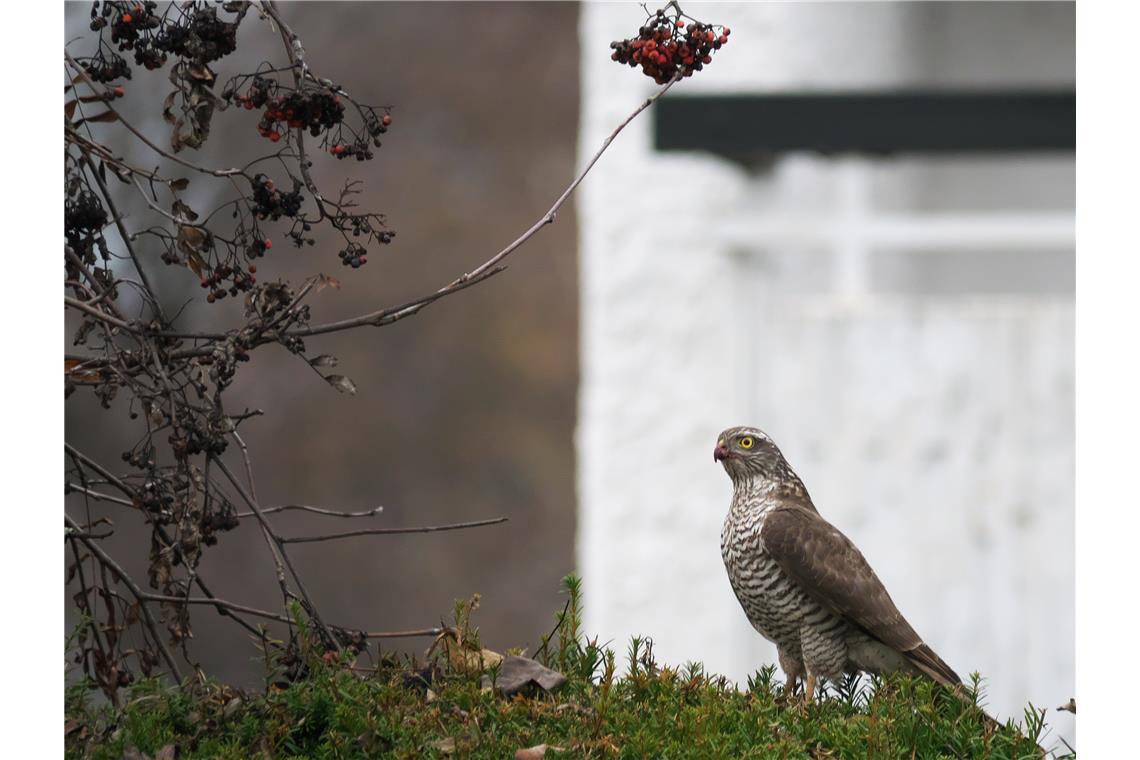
{"x":747,"y":442}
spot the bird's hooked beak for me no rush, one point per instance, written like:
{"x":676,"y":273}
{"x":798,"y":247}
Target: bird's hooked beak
{"x":720,"y":453}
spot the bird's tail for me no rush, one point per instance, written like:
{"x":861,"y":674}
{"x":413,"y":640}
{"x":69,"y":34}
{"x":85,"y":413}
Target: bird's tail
{"x":930,"y":664}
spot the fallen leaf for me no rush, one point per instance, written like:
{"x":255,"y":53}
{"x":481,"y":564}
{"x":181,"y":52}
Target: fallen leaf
{"x":324,"y":360}
{"x":169,"y":752}
{"x":446,"y":746}
{"x":519,"y":673}
{"x":537,"y":751}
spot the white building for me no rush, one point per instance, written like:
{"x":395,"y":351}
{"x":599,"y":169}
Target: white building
{"x":902,"y":327}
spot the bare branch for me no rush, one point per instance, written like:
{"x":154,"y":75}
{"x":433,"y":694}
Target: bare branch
{"x":392,"y":531}
{"x":491,"y":266}
{"x":77,"y":535}
{"x":314,"y":510}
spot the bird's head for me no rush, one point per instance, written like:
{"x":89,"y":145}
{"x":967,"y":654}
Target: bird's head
{"x":747,"y":453}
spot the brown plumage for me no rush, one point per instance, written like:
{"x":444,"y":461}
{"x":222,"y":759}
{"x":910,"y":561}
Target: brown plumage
{"x":803,"y":584}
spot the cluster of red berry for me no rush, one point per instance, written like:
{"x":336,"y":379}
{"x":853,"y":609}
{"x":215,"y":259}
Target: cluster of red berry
{"x":667,"y":47}
{"x":239,"y":281}
{"x":314,"y":110}
{"x":361,"y":148}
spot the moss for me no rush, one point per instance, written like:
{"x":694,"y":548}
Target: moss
{"x":646,"y":710}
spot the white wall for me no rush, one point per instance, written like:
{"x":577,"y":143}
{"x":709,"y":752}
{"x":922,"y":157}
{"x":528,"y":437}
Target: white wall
{"x":930,"y":415}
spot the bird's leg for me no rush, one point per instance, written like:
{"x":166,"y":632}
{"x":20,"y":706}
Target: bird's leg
{"x":790,"y":686}
{"x":809,"y":688}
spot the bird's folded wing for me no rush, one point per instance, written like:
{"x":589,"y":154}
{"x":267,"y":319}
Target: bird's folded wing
{"x":828,"y":566}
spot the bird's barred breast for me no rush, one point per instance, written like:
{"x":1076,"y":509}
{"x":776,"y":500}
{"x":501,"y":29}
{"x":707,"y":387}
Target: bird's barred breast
{"x":775,"y":605}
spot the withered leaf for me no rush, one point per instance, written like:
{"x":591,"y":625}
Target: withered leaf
{"x":341,"y":383}
{"x":106,"y":117}
{"x":324,"y":360}
{"x":536,"y":752}
{"x":191,"y":236}
{"x":167,"y":106}
{"x":178,"y":208}
{"x":446,"y":746}
{"x":518,"y":673}
{"x":69,"y":109}
{"x":324,"y":281}
{"x":200,"y":72}
{"x":179,"y":184}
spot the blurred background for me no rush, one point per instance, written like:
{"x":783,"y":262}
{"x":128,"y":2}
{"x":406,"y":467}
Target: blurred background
{"x":900,"y":324}
{"x":463,"y":412}
{"x":892,"y":305}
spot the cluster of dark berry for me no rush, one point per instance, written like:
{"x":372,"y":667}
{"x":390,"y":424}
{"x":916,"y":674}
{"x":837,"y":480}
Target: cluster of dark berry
{"x":314,"y":110}
{"x":83,"y":220}
{"x":132,"y":26}
{"x":354,"y":255}
{"x":239,"y":281}
{"x":198,"y":35}
{"x":106,"y":69}
{"x":667,"y":47}
{"x":271,"y":203}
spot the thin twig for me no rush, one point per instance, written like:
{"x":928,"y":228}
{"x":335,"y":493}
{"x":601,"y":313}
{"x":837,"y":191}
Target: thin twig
{"x":77,"y":535}
{"x":491,"y":266}
{"x":277,"y":548}
{"x":314,"y":510}
{"x":391,"y":531}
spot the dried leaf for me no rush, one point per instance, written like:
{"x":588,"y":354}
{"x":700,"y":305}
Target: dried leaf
{"x":69,"y":109}
{"x":169,"y":752}
{"x":178,"y":208}
{"x":324,"y":360}
{"x":200,"y":72}
{"x":341,"y":383}
{"x":179,"y":184}
{"x":190,"y":241}
{"x":167,"y":106}
{"x":446,"y":746}
{"x":194,"y":237}
{"x":536,"y":752}
{"x":324,"y":281}
{"x":104,"y":118}
{"x":519,"y":673}
{"x":72,"y":368}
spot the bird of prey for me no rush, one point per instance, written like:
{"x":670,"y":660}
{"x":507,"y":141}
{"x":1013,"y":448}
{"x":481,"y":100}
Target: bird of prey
{"x":804,"y":585}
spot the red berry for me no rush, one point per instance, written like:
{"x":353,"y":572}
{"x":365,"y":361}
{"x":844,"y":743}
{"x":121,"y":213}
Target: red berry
{"x":274,"y":137}
{"x":127,"y":18}
{"x":387,"y":120}
{"x":727,"y":31}
{"x":680,"y":24}
{"x":119,"y":92}
{"x":268,"y":243}
{"x":252,"y":269}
